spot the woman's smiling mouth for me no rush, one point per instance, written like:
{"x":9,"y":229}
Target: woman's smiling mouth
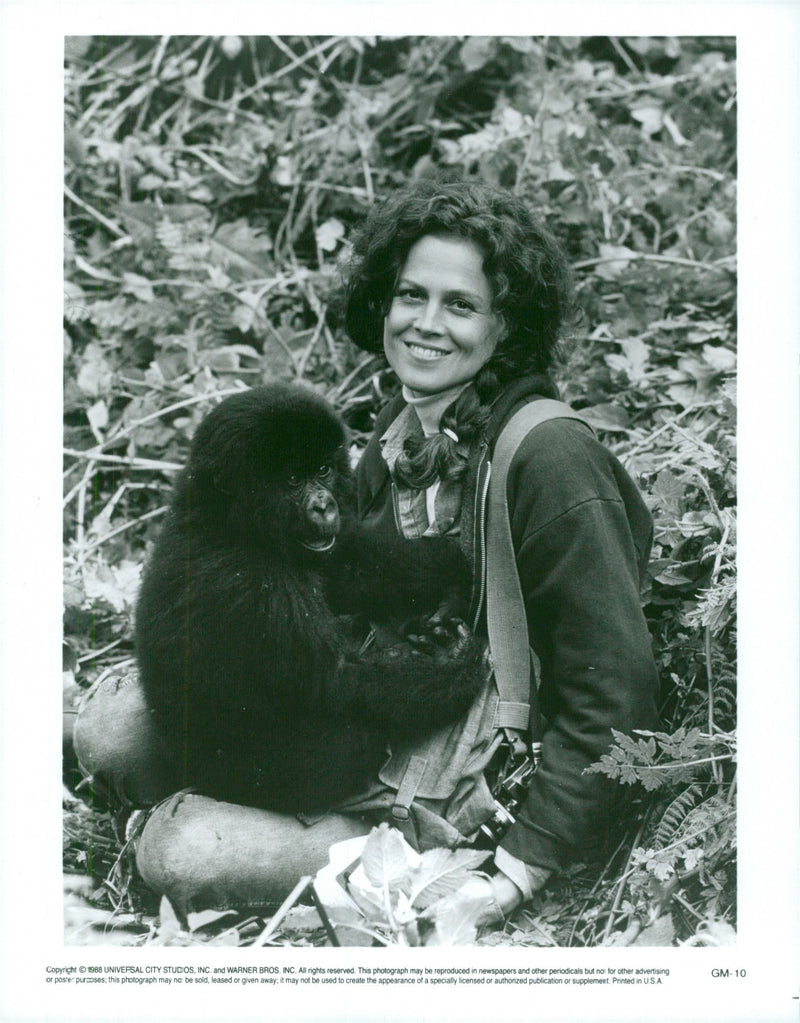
{"x":424,"y":352}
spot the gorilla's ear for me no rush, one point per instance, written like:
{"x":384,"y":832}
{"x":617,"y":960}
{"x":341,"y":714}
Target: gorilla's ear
{"x":216,"y":457}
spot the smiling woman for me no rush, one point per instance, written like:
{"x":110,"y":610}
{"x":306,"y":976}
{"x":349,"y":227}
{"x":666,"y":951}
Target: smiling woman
{"x":467,"y":295}
{"x":441,"y":327}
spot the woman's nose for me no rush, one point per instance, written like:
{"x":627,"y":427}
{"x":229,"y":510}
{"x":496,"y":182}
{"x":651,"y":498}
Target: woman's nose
{"x":429,"y":320}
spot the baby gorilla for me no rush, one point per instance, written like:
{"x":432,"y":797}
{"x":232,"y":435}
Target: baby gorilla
{"x":261,"y":690}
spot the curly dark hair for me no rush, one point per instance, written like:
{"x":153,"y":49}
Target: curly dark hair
{"x":525,"y":267}
{"x":531,"y":291}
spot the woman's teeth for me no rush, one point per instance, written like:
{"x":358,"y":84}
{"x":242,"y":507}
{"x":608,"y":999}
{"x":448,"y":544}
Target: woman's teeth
{"x":425,"y":353}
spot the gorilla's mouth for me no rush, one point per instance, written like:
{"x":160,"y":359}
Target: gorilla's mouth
{"x":319,"y":545}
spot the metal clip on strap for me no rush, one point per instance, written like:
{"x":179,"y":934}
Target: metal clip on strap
{"x":412,"y":778}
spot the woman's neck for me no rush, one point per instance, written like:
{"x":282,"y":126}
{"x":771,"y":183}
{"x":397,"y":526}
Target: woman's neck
{"x":430,"y":407}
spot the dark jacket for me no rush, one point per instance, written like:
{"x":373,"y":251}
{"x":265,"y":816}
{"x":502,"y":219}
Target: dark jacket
{"x":582,"y":536}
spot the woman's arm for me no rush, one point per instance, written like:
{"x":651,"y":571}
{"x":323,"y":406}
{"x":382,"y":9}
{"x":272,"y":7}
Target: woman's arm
{"x":580,"y":531}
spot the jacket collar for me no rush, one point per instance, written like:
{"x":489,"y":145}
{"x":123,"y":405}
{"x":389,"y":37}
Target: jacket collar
{"x":512,"y":397}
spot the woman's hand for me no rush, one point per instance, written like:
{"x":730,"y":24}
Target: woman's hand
{"x":487,"y":900}
{"x":483,"y":901}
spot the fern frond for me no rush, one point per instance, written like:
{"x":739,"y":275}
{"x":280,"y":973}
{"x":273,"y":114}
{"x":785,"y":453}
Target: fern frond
{"x":702,"y":818}
{"x":675,"y":814}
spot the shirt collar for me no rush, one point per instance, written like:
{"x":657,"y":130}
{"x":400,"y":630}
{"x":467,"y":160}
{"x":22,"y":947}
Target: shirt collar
{"x":405,"y":425}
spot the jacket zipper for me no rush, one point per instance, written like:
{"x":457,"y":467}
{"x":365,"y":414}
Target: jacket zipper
{"x":481,"y":495}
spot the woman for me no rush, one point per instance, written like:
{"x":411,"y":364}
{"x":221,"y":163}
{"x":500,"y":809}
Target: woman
{"x":466,"y":296}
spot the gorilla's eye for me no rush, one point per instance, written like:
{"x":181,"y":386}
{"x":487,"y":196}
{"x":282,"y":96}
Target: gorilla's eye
{"x":293,"y":480}
{"x":324,"y":470}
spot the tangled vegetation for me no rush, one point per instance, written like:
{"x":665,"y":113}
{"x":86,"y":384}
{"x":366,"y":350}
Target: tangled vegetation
{"x":211,"y":188}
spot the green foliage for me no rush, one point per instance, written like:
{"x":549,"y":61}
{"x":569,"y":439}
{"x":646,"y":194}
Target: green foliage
{"x":661,"y":760}
{"x":212,"y":186}
{"x":398,"y":885}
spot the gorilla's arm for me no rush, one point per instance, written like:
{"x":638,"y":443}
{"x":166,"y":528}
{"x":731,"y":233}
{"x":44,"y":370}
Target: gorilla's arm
{"x":402,"y":692}
{"x":288,"y":765}
{"x":389,"y":576}
{"x":233,"y":633}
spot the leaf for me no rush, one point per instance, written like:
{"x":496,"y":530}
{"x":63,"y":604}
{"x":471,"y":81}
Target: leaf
{"x":168,"y":918}
{"x":522,"y":44}
{"x":668,"y":492}
{"x":284,"y":173}
{"x":150,"y":182}
{"x":675,"y":814}
{"x":228,"y":357}
{"x":616,"y":260}
{"x":477,"y":51}
{"x":659,"y":864}
{"x":228,"y":939}
{"x":684,"y":394}
{"x":76,"y":47}
{"x":633,"y":361}
{"x":74,"y":594}
{"x":715,"y":932}
{"x":650,"y":117}
{"x":205,"y":917}
{"x":329,"y":234}
{"x":652,"y":780}
{"x":142,"y":218}
{"x":139,"y":287}
{"x":97,"y":415}
{"x":647,"y":750}
{"x":117,"y":586}
{"x":95,"y":376}
{"x":608,"y":416}
{"x":442,"y":871}
{"x":301,"y":918}
{"x":76,"y":304}
{"x":660,"y":934}
{"x":692,"y":857}
{"x":456,"y":926}
{"x":385,"y":859}
{"x":556,"y":171}
{"x":723,"y":360}
{"x":238,"y":245}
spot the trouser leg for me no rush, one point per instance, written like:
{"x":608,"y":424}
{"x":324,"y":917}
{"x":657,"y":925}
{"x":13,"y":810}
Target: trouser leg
{"x":205,"y":854}
{"x":199,"y":852}
{"x":116,"y":744}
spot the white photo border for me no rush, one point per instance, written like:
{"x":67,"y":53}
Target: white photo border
{"x":31,"y":926}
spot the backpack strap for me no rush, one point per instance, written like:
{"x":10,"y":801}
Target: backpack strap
{"x":512,"y":656}
{"x":514,"y":662}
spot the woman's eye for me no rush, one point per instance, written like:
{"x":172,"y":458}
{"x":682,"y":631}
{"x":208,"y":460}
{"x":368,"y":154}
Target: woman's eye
{"x":408,"y":294}
{"x":462,"y":306}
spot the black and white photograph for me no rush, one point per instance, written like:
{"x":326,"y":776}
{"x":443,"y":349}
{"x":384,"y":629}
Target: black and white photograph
{"x":326,"y":275}
{"x":404,"y":433}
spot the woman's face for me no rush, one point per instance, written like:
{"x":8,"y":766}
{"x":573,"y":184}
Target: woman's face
{"x":440,"y":329}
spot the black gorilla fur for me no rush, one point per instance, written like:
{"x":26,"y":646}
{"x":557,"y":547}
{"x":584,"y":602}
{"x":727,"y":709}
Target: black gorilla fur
{"x":258,"y":688}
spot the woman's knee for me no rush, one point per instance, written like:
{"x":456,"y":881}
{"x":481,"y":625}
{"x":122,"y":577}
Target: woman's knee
{"x":205,"y":854}
{"x":115,"y":742}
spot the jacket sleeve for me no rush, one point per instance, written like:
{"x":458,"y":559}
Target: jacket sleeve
{"x":581,"y":533}
{"x":372,"y":475}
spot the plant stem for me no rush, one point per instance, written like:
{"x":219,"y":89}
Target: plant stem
{"x":623,"y":880}
{"x":133,"y":463}
{"x":631,"y":257}
{"x":125,"y":526}
{"x":684,"y":763}
{"x":109,"y":225}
